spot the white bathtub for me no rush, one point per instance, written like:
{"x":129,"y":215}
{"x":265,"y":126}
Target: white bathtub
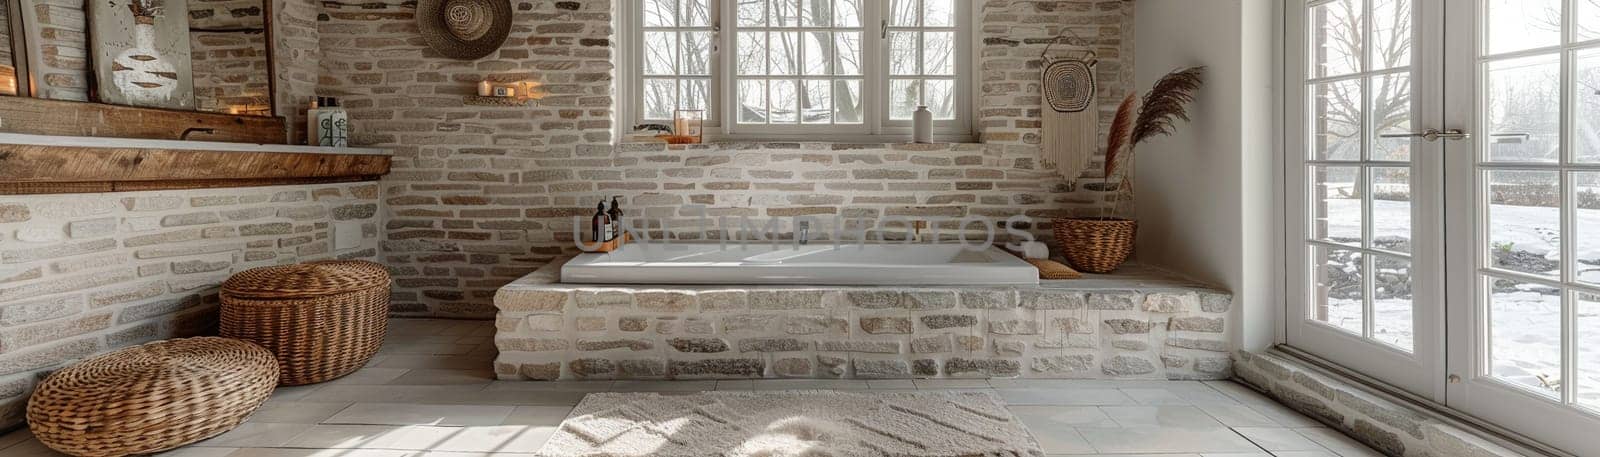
{"x":815,"y":264}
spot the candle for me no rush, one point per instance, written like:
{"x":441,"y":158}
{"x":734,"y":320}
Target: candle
{"x":484,"y":89}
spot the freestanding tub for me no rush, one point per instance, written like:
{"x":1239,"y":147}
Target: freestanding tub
{"x":814,"y":264}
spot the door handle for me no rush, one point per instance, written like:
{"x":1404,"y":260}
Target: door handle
{"x":1431,"y":135}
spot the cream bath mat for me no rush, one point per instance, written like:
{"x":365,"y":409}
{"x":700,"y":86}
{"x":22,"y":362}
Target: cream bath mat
{"x":792,"y":423}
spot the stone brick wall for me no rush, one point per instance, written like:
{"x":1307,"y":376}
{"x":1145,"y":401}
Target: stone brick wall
{"x":482,"y":195}
{"x":297,"y":56}
{"x":1015,"y":32}
{"x":1142,"y":328}
{"x":86,"y":273}
{"x":58,"y":52}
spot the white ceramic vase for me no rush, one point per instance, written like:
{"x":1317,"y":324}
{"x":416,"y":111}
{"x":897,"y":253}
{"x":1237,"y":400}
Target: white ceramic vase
{"x":141,"y":72}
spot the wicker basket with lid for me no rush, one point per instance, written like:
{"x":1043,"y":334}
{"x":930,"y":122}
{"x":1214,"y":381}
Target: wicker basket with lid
{"x":322,"y":320}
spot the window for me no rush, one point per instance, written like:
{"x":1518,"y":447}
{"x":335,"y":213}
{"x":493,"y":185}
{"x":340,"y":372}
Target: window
{"x":775,"y":68}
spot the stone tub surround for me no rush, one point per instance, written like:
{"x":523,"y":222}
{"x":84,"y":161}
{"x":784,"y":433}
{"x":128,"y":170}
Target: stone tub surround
{"x":1142,"y":324}
{"x":82,"y":274}
{"x":1389,"y":427}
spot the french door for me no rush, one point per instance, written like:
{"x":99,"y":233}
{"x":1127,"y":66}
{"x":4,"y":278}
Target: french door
{"x":1445,"y":235}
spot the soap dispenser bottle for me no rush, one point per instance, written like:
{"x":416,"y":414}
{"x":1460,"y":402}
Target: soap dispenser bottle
{"x":600,"y":224}
{"x":615,"y":214}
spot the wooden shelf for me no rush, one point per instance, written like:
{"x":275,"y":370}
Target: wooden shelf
{"x":479,"y":100}
{"x":43,"y":164}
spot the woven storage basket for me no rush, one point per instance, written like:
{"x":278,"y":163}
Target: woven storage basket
{"x":151,"y":398}
{"x":322,"y":319}
{"x":1095,"y":245}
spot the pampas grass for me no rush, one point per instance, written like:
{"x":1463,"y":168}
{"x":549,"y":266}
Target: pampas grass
{"x":1163,"y":106}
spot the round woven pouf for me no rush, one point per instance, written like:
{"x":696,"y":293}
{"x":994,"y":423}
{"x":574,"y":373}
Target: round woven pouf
{"x":322,"y":320}
{"x":153,"y":397}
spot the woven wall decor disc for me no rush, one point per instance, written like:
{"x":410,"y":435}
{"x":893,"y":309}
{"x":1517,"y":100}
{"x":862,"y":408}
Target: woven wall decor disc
{"x":1069,"y":85}
{"x":464,"y":29}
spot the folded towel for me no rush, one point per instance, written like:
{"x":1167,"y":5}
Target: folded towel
{"x":1035,"y":250}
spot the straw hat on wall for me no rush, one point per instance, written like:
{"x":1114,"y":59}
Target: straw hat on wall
{"x":464,"y":29}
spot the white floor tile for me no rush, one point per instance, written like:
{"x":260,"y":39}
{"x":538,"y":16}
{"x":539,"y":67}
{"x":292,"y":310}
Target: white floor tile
{"x":664,"y":386}
{"x":438,"y":377}
{"x":1155,"y":397}
{"x":1237,"y":415}
{"x":1161,"y":416}
{"x":537,"y":415}
{"x":370,"y":375}
{"x":1060,"y":417}
{"x":1165,"y":440}
{"x":256,"y":434}
{"x":411,"y":414}
{"x":1278,"y":439}
{"x":1064,"y":397}
{"x":1337,"y":443}
{"x":296,"y":412}
{"x":29,"y":448}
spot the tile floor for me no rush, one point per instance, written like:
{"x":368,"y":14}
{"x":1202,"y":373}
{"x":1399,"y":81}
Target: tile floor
{"x":430,"y":392}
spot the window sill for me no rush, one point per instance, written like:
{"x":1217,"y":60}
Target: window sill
{"x":831,"y":139}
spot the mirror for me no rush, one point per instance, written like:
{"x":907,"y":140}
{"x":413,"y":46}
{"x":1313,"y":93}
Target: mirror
{"x":9,"y":84}
{"x":231,"y":62}
{"x":190,"y":55}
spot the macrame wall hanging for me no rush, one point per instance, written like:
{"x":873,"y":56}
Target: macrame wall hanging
{"x":1071,"y":121}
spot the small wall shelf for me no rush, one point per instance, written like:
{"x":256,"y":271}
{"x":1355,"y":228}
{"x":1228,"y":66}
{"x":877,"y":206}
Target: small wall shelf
{"x":479,"y":100}
{"x":47,"y":164}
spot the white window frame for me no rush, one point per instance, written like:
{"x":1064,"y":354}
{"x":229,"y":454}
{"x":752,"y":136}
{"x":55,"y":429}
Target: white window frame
{"x":876,"y":125}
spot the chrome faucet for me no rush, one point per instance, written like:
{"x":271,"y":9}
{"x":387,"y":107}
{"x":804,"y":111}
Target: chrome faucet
{"x":804,"y":232}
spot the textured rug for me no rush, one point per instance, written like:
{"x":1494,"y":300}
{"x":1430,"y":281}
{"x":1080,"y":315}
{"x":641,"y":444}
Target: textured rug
{"x":792,"y":423}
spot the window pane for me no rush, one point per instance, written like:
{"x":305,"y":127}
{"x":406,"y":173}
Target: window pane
{"x":752,"y":101}
{"x":1391,"y":208}
{"x":1336,"y":120}
{"x":1525,"y":335}
{"x":1336,"y":31}
{"x":660,"y":13}
{"x":1586,"y":210}
{"x":1587,"y":19}
{"x":938,"y":53}
{"x":903,"y":53}
{"x":818,"y":51}
{"x":658,"y":60}
{"x":903,"y":98}
{"x":846,"y":13}
{"x":847,"y":101}
{"x":695,"y":13}
{"x":785,"y":13}
{"x":1586,"y":108}
{"x":1588,"y":350}
{"x":1336,"y":201}
{"x":938,"y":13}
{"x":1524,"y":109}
{"x":1391,"y":33}
{"x":1525,"y":221}
{"x":660,"y":99}
{"x":940,"y":98}
{"x":696,"y":53}
{"x":817,"y":104}
{"x":1391,"y":301}
{"x":1337,"y":292}
{"x":847,"y":55}
{"x":1515,"y":25}
{"x":752,"y":13}
{"x":903,"y":13}
{"x":696,"y":93}
{"x":785,"y":100}
{"x":752,"y":53}
{"x":816,"y":14}
{"x":783,"y":54}
{"x":1391,"y":113}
